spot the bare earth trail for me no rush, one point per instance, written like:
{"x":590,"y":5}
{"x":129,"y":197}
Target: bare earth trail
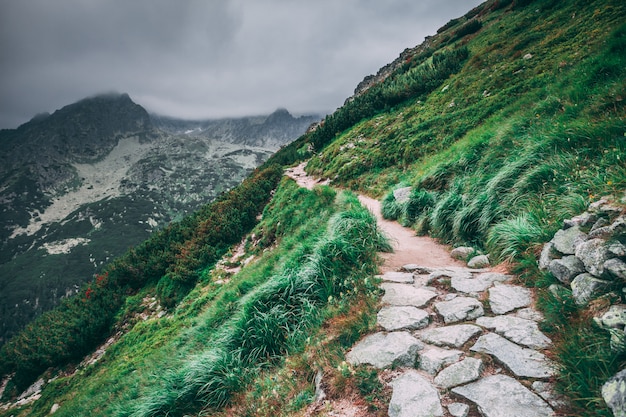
{"x":407,"y":247}
{"x":451,"y":341}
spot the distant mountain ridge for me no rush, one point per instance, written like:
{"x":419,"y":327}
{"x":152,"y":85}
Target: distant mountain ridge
{"x":81,"y":185}
{"x":272,"y":131}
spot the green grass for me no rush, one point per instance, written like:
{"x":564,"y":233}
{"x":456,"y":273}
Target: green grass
{"x":498,"y":149}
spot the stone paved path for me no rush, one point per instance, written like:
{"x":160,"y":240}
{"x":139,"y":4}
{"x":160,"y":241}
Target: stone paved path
{"x":461,"y":352}
{"x":463,"y":342}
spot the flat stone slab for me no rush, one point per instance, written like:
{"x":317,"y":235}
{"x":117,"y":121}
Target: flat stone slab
{"x":459,"y":309}
{"x":385,"y":350}
{"x":460,"y":373}
{"x":504,"y":298}
{"x":458,"y":409}
{"x":433,"y":358}
{"x":397,"y":277}
{"x":414,"y":396}
{"x":503,"y":396}
{"x":523,"y":362}
{"x":453,"y":336}
{"x":516,"y":329}
{"x":451,"y":272}
{"x":477,"y":283}
{"x":402,"y":318}
{"x":406,"y":295}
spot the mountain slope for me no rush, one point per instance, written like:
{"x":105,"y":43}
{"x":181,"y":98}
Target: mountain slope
{"x":506,"y":122}
{"x":81,"y":186}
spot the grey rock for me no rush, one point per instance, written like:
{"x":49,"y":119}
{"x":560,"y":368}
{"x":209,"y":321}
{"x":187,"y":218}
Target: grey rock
{"x":614,"y":318}
{"x":600,"y":233}
{"x":547,"y":255}
{"x":615,"y":268}
{"x":547,"y":392}
{"x":516,"y":329}
{"x":397,"y":277}
{"x":414,"y":396}
{"x":584,"y":219}
{"x":460,"y":373}
{"x":529,"y":314}
{"x":618,"y":227}
{"x":523,"y":362}
{"x":597,"y":205}
{"x":416,"y":269}
{"x":504,"y":298}
{"x":385,"y":350}
{"x":503,"y":396}
{"x":462,"y":252}
{"x":453,"y":336}
{"x":450,"y":273}
{"x":402,"y":194}
{"x":564,"y":240}
{"x":458,"y":409}
{"x":593,"y":253}
{"x":478,"y":283}
{"x":616,"y":249}
{"x":586,"y":287}
{"x":477,"y":262}
{"x":433,"y":358}
{"x":402,"y":317}
{"x":614,"y":393}
{"x":598,"y":224}
{"x":459,"y":309}
{"x":566,"y":269}
{"x":406,"y":295}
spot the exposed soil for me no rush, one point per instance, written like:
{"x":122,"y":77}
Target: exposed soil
{"x":408,"y":248}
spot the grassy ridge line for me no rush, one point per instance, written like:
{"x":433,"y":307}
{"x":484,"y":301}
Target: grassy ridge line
{"x":81,"y":322}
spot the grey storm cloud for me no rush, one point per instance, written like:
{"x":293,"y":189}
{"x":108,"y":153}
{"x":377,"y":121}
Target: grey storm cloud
{"x":203,"y":58}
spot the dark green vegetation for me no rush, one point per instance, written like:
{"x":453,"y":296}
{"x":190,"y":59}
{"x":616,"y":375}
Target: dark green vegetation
{"x":170,"y":261}
{"x":506,"y":122}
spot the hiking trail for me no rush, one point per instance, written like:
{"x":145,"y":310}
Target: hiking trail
{"x":452,"y":341}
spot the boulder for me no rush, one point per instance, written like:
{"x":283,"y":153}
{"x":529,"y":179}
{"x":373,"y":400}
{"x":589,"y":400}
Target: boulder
{"x":462,"y":252}
{"x":460,"y":373}
{"x":477,"y":262}
{"x":593,"y":253}
{"x":402,"y":194}
{"x":565,"y":240}
{"x":547,"y":255}
{"x":566,"y":268}
{"x":453,"y":336}
{"x":584,"y":219}
{"x":523,"y":362}
{"x":385,"y":350}
{"x":615,"y":269}
{"x":614,"y":393}
{"x":586,"y":287}
{"x":459,"y":309}
{"x":504,"y":298}
{"x":414,"y":396}
{"x":503,"y":396}
{"x":402,"y":318}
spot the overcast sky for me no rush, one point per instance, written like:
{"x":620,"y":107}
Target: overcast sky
{"x":203,"y":58}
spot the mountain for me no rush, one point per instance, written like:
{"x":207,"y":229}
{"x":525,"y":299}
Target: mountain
{"x":81,"y":186}
{"x":502,"y":133}
{"x":273,"y":131}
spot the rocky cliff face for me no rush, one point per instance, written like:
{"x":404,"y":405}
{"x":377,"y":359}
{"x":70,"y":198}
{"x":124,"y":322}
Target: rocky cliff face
{"x":82,"y":185}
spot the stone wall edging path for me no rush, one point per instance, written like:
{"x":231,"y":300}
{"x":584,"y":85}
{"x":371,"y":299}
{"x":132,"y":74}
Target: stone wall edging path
{"x":463,"y":342}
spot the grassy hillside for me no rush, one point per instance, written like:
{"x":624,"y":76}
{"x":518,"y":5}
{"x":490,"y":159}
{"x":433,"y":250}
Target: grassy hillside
{"x":506,"y":122}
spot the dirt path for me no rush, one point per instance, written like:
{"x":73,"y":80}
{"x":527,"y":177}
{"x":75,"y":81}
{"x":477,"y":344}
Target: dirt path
{"x":408,"y":248}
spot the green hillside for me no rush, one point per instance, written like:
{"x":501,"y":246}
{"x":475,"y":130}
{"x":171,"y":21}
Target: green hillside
{"x":508,"y":121}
